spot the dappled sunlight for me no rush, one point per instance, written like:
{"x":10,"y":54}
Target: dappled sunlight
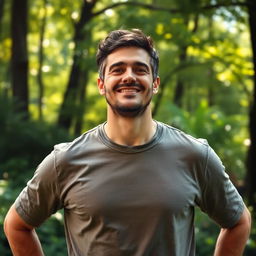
{"x":207,"y":87}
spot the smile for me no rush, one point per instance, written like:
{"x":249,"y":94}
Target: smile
{"x":123,"y":90}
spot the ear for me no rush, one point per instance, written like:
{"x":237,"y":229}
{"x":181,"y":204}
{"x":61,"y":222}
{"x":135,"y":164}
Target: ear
{"x":101,"y":86}
{"x":156,"y":84}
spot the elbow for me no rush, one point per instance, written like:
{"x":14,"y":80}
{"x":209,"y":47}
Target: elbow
{"x":13,"y":223}
{"x":248,"y":220}
{"x":9,"y":222}
{"x":6,"y":225}
{"x":244,"y":224}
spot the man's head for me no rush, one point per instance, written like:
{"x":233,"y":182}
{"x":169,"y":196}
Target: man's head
{"x":125,"y":38}
{"x":128,"y":66}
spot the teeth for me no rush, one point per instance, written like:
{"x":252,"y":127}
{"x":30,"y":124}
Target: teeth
{"x":128,"y":90}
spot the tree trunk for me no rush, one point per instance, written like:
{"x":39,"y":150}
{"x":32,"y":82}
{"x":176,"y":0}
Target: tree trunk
{"x":40,"y":62}
{"x":77,"y":75}
{"x":211,"y":84}
{"x":180,"y":87}
{"x":19,"y":58}
{"x":251,"y":161}
{"x":6,"y":70}
{"x":1,"y":13}
{"x":78,"y":124}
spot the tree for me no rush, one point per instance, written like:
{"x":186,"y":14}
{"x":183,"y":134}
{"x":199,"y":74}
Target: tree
{"x":251,"y":163}
{"x":75,"y":90}
{"x":40,"y":60}
{"x":19,"y":58}
{"x":1,"y":11}
{"x":212,"y":67}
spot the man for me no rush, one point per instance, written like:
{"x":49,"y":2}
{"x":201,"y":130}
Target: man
{"x":130,"y":185}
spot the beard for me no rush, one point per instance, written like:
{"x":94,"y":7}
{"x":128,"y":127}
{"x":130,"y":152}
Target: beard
{"x":128,"y":111}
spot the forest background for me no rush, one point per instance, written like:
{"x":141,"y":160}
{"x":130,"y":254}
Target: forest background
{"x":48,"y":91}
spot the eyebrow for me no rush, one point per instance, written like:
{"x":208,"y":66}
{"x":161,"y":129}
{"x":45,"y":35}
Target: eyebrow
{"x":121,"y":63}
{"x":117,"y":64}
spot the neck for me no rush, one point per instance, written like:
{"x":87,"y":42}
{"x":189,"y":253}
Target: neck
{"x":130,"y":131}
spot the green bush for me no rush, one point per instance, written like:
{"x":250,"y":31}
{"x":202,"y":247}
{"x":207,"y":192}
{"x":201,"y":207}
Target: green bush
{"x":23,"y":145}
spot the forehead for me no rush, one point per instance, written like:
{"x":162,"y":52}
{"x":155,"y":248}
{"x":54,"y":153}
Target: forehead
{"x":128,"y":55}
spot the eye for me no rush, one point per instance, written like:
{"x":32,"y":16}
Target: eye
{"x":141,"y":70}
{"x":117,"y":71}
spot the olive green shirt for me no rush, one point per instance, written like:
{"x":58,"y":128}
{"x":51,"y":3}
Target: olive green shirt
{"x":131,"y":201}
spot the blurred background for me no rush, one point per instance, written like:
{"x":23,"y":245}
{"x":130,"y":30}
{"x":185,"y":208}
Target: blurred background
{"x":48,"y":90}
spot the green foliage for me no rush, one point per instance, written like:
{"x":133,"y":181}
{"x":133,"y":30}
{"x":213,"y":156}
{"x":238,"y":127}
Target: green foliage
{"x":216,"y":74}
{"x":206,"y":233}
{"x":52,"y":236}
{"x":23,"y":145}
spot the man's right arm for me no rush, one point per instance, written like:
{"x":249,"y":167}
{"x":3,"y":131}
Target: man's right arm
{"x":22,"y":237}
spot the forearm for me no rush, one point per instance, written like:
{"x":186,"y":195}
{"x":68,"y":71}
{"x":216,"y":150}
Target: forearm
{"x":231,"y":242}
{"x":22,"y":237}
{"x":24,"y":242}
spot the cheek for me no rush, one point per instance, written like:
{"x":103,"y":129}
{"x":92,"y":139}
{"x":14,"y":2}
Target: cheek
{"x":108,"y":90}
{"x":110,"y":82}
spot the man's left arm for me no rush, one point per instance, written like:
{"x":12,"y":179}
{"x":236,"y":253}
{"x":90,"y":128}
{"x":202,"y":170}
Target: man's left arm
{"x":232,"y":241}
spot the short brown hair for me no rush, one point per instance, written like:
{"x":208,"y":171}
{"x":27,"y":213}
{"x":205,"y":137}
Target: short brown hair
{"x":122,"y":38}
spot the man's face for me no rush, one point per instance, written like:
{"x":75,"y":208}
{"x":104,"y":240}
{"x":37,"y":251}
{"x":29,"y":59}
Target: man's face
{"x":128,"y":83}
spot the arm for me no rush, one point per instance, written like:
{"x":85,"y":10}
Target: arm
{"x":22,"y":237}
{"x":231,"y":241}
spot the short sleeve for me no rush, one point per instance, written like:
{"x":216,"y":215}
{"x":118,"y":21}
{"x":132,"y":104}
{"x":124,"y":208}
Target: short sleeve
{"x":40,"y":198}
{"x":220,"y":199}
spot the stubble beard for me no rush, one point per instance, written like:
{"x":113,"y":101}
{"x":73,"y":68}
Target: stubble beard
{"x":129,"y":111}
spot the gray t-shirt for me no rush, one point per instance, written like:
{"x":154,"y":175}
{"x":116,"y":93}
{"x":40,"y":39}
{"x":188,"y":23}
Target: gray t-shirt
{"x":131,"y":201}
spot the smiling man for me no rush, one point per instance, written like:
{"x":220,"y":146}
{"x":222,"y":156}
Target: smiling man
{"x":129,"y":186}
{"x":128,"y":82}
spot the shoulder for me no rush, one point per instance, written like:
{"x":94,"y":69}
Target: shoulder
{"x":65,"y":152}
{"x":182,"y":140}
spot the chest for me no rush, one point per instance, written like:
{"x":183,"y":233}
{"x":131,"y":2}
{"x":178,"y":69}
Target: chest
{"x":126,"y":184}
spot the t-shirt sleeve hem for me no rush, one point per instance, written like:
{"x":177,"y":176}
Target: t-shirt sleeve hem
{"x":19,"y":209}
{"x":235,"y":218}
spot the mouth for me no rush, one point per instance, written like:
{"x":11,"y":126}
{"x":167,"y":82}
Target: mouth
{"x":128,"y":90}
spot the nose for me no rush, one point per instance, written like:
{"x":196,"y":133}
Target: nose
{"x":129,"y":76}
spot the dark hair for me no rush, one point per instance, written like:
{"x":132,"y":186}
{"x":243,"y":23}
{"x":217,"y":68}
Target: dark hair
{"x":121,"y":38}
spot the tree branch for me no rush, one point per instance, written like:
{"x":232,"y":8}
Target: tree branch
{"x":137,"y":4}
{"x":215,"y":6}
{"x":170,"y":10}
{"x":168,"y":76}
